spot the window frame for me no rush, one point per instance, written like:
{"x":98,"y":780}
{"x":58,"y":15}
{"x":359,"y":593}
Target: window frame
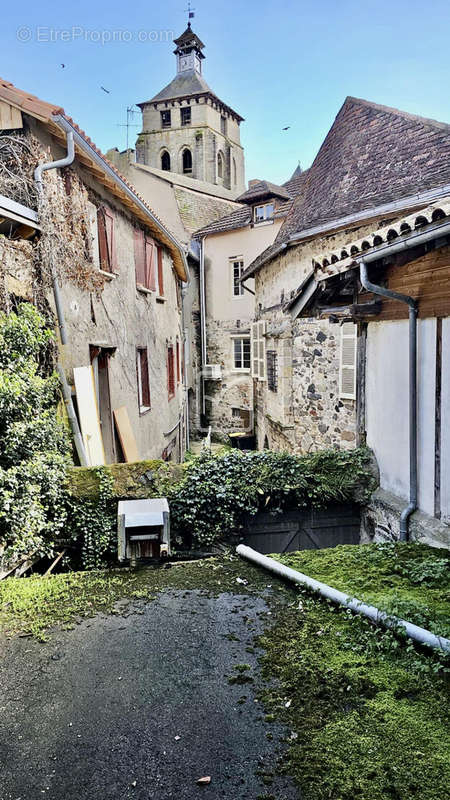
{"x":185,"y":111}
{"x":220,"y":165}
{"x":272,"y":370}
{"x":258,"y":352}
{"x":167,"y":112}
{"x":242,"y":338}
{"x":143,"y":374}
{"x":348,"y":348}
{"x":145,"y":261}
{"x":266,"y":217}
{"x":233,"y":261}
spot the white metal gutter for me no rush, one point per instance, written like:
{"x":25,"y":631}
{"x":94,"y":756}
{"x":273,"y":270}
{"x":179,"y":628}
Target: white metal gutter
{"x":415,"y":632}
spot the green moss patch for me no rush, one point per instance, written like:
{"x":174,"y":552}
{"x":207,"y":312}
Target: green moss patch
{"x":367,"y":712}
{"x":136,"y":480}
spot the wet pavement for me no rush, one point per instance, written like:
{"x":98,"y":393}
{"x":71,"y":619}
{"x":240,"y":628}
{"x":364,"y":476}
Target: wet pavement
{"x":140,"y":706}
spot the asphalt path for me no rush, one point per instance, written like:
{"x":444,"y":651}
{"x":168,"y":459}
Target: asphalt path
{"x":140,"y":706}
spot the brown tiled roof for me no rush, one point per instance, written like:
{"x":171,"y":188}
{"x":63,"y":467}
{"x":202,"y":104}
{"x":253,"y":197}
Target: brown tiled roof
{"x":372,"y":155}
{"x":263,"y":189}
{"x":295,"y":184}
{"x":237,"y":219}
{"x":48,"y":113}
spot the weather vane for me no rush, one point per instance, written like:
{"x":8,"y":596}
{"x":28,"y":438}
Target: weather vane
{"x":190,"y":12}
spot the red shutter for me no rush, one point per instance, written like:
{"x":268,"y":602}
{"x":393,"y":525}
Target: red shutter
{"x":139,"y":256}
{"x":150,"y":263}
{"x":109,"y":224}
{"x":145,"y":378}
{"x":178,"y":362}
{"x":170,"y":373}
{"x":102,"y":241}
{"x":160,"y":273}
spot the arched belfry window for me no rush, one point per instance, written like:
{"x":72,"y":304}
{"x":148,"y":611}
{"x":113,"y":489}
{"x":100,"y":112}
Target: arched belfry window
{"x":165,"y":161}
{"x":219,"y":165}
{"x":187,"y":161}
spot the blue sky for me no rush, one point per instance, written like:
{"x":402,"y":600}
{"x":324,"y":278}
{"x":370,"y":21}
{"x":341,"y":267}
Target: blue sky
{"x":276,"y":63}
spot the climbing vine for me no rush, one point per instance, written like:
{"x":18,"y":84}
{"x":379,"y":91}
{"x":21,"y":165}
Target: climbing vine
{"x":93,"y":523}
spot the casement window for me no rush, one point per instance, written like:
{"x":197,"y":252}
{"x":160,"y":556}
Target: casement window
{"x":186,"y":115}
{"x":272,"y":370}
{"x":259,"y":350}
{"x":241,"y":353}
{"x":105,"y":228}
{"x":237,"y":266}
{"x":145,"y":258}
{"x":187,"y":161}
{"x":160,"y":271}
{"x":165,"y":120}
{"x":223,"y":125}
{"x":347,"y":361}
{"x":262,"y":213}
{"x":170,"y":372}
{"x":143,"y":379}
{"x":165,"y":161}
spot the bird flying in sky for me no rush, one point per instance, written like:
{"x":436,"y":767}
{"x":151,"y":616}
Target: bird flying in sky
{"x":105,"y":90}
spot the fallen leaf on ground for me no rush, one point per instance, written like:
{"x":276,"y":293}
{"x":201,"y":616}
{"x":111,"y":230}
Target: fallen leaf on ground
{"x":205,"y":780}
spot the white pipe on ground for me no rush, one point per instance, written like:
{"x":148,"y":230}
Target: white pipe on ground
{"x":380,"y":617}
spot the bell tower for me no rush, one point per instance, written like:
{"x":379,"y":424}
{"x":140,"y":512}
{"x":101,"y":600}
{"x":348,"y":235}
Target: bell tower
{"x":188,"y":130}
{"x":189,"y":51}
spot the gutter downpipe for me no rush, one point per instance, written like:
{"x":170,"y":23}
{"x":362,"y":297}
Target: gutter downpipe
{"x":62,"y":162}
{"x":415,"y":632}
{"x":78,"y":441}
{"x":184,"y":289}
{"x":412,"y":304}
{"x":438,"y":231}
{"x":202,"y":318}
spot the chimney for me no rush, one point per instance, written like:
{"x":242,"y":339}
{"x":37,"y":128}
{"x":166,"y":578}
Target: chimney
{"x":253,"y":182}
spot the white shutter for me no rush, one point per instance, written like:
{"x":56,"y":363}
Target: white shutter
{"x":347,"y":361}
{"x":258,"y":345}
{"x":255,"y":350}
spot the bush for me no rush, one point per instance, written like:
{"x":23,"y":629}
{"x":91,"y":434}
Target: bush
{"x":34,"y":440}
{"x":218,"y":490}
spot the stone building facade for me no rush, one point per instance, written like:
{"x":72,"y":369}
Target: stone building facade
{"x":188,"y":130}
{"x":120,"y":273}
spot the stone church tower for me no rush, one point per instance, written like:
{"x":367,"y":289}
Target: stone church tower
{"x":187,"y":130}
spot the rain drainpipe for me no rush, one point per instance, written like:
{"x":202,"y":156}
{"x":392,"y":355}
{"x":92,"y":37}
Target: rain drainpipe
{"x":202,"y":318}
{"x":62,"y":162}
{"x":412,"y":304}
{"x":415,"y":632}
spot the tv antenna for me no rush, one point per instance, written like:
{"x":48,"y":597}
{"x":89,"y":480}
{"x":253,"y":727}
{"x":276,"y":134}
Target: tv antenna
{"x":129,"y":124}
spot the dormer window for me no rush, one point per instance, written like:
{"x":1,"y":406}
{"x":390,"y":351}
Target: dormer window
{"x":263,"y":213}
{"x":186,"y":115}
{"x":165,"y":119}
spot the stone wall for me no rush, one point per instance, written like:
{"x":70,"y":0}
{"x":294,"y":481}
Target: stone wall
{"x":381,"y":522}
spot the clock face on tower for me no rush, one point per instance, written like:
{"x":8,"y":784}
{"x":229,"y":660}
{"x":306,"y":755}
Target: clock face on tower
{"x":186,"y":62}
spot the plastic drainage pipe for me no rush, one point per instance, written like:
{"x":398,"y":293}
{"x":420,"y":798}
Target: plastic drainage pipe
{"x":420,"y":635}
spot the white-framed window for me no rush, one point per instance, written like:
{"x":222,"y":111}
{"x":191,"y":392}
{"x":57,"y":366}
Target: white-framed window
{"x":259,"y":350}
{"x":264,"y":212}
{"x":347,"y":361}
{"x":241,"y":353}
{"x":237,"y":269}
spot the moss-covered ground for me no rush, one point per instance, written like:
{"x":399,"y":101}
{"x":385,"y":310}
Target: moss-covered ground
{"x":366,"y":713}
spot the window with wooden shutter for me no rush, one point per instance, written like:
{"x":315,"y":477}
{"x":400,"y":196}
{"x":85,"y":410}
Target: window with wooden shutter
{"x":139,"y":256}
{"x":259,"y":350}
{"x":150,"y":264}
{"x":143,"y":379}
{"x":160,"y":272}
{"x":170,"y":372}
{"x":105,"y":226}
{"x":347,"y":361}
{"x":178,"y":363}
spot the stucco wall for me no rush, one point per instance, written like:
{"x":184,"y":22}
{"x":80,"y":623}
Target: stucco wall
{"x":229,"y":317}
